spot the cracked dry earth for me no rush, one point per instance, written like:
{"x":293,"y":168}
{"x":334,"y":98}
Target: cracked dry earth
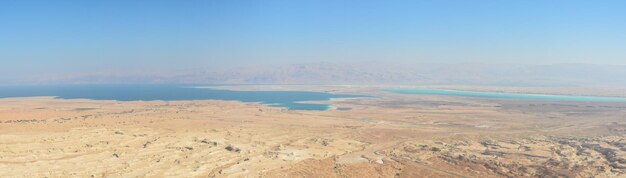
{"x":46,"y":137}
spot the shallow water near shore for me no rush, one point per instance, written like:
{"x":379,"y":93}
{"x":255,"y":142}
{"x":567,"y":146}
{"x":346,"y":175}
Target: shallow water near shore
{"x":289,"y":99}
{"x":498,"y":95}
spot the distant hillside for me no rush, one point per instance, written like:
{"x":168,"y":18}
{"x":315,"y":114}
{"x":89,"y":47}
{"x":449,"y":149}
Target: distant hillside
{"x":375,"y":73}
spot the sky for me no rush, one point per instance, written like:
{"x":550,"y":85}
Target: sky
{"x":51,"y":37}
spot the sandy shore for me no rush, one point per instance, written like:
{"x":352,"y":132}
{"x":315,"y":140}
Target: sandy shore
{"x":391,"y":135}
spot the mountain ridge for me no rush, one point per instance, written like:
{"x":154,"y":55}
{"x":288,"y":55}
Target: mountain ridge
{"x":371,"y":73}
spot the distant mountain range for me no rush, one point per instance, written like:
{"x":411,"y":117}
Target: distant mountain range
{"x":374,"y":73}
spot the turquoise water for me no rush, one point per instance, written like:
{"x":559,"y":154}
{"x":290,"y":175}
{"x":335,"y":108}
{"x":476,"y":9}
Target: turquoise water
{"x":497,"y":95}
{"x":290,"y":99}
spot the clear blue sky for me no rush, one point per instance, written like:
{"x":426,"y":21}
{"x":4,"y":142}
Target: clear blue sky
{"x":57,"y":36}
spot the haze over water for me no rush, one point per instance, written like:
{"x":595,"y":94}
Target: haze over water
{"x":498,"y":95}
{"x":288,"y":99}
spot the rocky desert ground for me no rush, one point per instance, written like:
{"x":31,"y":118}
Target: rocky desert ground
{"x":389,"y":135}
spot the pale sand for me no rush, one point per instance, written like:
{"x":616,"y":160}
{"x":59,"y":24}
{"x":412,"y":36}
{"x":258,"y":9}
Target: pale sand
{"x":378,"y":137}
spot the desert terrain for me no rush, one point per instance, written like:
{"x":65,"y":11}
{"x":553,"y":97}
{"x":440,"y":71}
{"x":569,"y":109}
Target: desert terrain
{"x":387,"y":135}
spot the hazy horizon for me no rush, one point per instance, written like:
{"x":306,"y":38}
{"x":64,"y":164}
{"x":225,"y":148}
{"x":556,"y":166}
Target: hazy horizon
{"x":313,"y":88}
{"x":57,"y":42}
{"x":369,"y":73}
